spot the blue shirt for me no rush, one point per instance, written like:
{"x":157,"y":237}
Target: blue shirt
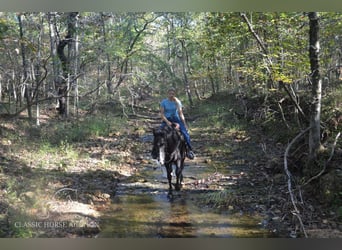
{"x":170,"y":108}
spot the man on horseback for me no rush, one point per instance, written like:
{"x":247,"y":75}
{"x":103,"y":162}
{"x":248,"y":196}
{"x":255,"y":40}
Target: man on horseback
{"x":171,"y":113}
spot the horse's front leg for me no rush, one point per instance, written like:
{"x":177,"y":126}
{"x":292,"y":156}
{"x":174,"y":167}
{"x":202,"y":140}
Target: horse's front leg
{"x":179,"y":178}
{"x":169,"y":176}
{"x":179,"y":173}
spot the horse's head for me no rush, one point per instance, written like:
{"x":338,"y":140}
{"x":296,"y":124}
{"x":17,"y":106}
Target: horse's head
{"x":159,"y":145}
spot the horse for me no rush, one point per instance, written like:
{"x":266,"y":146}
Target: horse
{"x":169,"y":148}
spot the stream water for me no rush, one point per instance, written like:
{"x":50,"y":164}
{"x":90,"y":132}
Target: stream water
{"x":143,"y":209}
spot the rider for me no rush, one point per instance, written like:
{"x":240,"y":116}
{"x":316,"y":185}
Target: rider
{"x":171,"y":112}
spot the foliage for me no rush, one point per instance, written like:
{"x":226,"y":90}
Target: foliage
{"x":143,"y":52}
{"x":85,"y":129}
{"x":221,"y":199}
{"x":128,"y":59}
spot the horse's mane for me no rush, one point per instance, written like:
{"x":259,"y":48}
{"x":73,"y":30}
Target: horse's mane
{"x":173,"y":139}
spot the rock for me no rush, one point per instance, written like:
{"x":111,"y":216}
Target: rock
{"x":276,"y":218}
{"x":28,"y":195}
{"x":208,"y":161}
{"x":106,"y":196}
{"x":139,"y":157}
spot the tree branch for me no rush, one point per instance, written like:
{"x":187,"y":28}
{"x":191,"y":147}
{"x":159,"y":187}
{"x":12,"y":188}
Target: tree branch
{"x":250,"y":27}
{"x":293,"y":99}
{"x":325,"y":165}
{"x":261,"y":44}
{"x":289,"y":182}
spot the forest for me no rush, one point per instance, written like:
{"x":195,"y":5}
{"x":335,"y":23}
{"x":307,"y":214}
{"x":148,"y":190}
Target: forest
{"x":80,"y":94}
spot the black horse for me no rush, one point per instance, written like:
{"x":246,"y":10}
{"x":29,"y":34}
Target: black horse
{"x":169,"y":148}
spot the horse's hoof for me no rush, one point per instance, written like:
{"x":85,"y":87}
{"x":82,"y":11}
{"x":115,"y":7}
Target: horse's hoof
{"x":170,"y":195}
{"x":178,"y":187}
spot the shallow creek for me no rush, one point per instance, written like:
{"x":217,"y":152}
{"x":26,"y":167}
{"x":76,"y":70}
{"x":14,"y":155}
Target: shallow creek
{"x":143,"y":209}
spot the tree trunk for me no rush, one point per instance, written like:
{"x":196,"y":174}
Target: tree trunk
{"x":26,"y":86}
{"x":76,"y":71}
{"x":185,"y":66}
{"x":63,"y":86}
{"x":211,"y":78}
{"x":314,"y":137}
{"x":36,"y":74}
{"x":53,"y":49}
{"x":108,"y":63}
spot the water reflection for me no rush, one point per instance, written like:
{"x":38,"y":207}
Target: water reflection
{"x":179,"y":219}
{"x":154,"y":215}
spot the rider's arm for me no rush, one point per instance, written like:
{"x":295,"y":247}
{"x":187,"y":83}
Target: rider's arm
{"x":181,"y":116}
{"x":180,"y":112}
{"x":163,"y":117}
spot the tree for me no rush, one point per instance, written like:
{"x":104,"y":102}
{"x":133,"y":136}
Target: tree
{"x":69,"y":41}
{"x":26,"y":84}
{"x":316,"y":90}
